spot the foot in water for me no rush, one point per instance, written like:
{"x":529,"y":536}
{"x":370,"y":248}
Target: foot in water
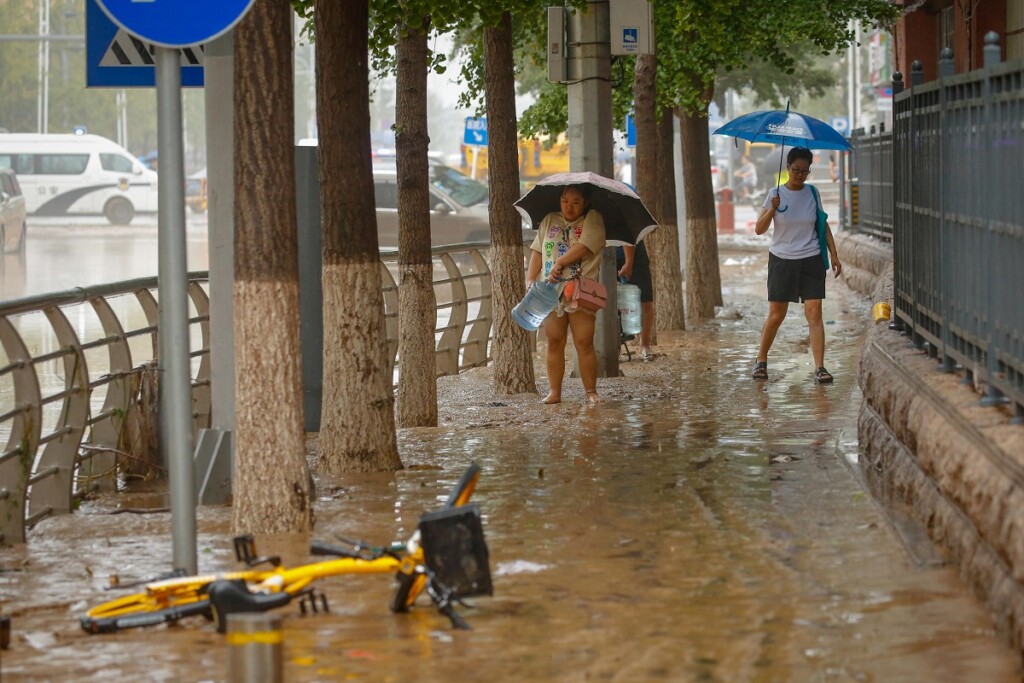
{"x":552,"y":398}
{"x":594,"y":397}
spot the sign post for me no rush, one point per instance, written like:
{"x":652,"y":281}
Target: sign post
{"x":172,"y":24}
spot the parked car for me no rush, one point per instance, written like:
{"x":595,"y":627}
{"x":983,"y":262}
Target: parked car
{"x":458,"y":205}
{"x":79,"y":175}
{"x":12,"y":212}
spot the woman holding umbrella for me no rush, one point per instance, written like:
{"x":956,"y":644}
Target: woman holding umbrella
{"x":796,"y":271}
{"x":568,"y":244}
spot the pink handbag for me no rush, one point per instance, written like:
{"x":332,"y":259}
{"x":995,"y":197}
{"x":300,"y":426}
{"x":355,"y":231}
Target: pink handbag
{"x":584,"y":293}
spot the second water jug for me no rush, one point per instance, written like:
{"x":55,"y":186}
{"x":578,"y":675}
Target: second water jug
{"x":539,"y":301}
{"x":629,"y":307}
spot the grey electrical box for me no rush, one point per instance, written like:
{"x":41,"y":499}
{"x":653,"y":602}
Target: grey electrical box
{"x":556,"y":45}
{"x":631,"y":24}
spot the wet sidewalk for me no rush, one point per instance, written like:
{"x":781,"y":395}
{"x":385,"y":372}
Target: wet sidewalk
{"x":696,"y":526}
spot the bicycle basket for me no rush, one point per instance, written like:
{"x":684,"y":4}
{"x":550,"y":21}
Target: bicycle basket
{"x":455,"y":550}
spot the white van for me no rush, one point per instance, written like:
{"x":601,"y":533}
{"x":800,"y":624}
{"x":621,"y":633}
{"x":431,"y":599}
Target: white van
{"x":79,"y":175}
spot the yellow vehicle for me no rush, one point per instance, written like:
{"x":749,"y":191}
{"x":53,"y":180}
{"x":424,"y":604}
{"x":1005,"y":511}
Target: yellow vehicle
{"x":538,"y":158}
{"x":446,"y":556}
{"x":195,"y":192}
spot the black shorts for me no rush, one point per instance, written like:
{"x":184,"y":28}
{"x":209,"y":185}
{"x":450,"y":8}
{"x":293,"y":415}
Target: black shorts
{"x":641,"y":271}
{"x":796,"y":279}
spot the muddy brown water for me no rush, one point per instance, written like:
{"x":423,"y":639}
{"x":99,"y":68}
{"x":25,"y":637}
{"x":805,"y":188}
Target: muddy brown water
{"x":696,"y":526}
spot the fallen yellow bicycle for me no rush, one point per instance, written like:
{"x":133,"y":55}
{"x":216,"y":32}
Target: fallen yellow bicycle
{"x":446,"y":556}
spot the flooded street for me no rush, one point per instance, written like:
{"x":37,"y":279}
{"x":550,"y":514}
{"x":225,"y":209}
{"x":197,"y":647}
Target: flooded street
{"x":696,"y":526}
{"x":61,"y":255}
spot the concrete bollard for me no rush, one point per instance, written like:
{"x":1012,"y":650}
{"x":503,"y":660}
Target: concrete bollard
{"x":254,"y":648}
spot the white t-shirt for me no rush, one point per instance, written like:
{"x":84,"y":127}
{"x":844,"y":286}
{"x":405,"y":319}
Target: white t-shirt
{"x":794,"y":236}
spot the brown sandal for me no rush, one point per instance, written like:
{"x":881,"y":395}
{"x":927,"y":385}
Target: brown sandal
{"x":760,"y":370}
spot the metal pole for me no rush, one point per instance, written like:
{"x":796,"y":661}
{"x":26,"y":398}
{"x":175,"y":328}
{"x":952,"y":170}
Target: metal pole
{"x":175,"y":376}
{"x":591,"y":147}
{"x":255,"y":646}
{"x":46,"y":73}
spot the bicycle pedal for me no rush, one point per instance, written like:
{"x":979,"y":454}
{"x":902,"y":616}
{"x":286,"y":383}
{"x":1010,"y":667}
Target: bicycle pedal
{"x":311,"y":597}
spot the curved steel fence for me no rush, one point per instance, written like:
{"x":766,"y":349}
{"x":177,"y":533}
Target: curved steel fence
{"x":72,"y":364}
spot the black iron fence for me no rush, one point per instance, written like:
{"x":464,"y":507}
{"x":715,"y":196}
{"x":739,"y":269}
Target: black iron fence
{"x":945,"y":185}
{"x":870,"y":167}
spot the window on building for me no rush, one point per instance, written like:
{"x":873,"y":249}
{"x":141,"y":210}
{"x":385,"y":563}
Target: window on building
{"x":946,"y":27}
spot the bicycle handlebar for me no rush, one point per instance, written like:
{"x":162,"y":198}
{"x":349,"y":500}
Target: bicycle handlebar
{"x":324,"y":548}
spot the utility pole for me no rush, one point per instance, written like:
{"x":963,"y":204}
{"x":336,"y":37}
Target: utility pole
{"x":589,"y":70}
{"x":44,"y":67}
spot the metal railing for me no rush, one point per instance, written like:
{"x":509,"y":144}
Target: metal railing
{"x":958,"y":212}
{"x":871,"y":171}
{"x":72,"y":361}
{"x":66,"y":390}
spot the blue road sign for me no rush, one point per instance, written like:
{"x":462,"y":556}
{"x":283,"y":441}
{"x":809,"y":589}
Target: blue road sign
{"x":630,"y":131}
{"x":476,"y":131}
{"x":176,"y":23}
{"x":630,"y":39}
{"x":115,"y":59}
{"x":840,"y":124}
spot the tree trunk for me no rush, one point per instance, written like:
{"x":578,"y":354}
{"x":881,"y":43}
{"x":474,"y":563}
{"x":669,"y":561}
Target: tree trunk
{"x":649,"y":187}
{"x":513,"y":365}
{"x":703,"y":281}
{"x":417,"y":308}
{"x":666,"y":271}
{"x":272,"y":492}
{"x":357,"y":425}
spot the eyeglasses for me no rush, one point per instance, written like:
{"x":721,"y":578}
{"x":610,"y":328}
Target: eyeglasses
{"x":799,"y":171}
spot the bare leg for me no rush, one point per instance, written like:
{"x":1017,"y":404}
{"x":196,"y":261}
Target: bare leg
{"x":812,"y":311}
{"x":646,"y":325}
{"x":776,"y":314}
{"x":583,"y":338}
{"x":556,"y":329}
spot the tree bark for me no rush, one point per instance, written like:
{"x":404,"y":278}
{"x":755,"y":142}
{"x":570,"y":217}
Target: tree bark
{"x":513,"y":365}
{"x":271,"y":486}
{"x":703,"y":281}
{"x":357,"y":425}
{"x":663,"y":243}
{"x":666,"y":271}
{"x":417,"y":307}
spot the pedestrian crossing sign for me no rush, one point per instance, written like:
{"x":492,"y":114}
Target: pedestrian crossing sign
{"x":117,"y":59}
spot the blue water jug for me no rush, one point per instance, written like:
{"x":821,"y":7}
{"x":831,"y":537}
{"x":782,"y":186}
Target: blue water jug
{"x":539,"y":301}
{"x":629,"y":306}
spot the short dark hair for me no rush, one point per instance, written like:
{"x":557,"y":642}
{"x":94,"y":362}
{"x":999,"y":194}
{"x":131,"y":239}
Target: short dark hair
{"x":799,"y":153}
{"x":584,"y":191}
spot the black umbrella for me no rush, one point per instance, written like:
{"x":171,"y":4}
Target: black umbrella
{"x":626,"y":219}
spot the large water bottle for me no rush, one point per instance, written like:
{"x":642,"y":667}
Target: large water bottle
{"x":629,"y":306}
{"x":539,"y":301}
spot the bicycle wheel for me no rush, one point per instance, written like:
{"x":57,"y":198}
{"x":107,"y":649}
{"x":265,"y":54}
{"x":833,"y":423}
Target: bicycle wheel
{"x":149,"y":618}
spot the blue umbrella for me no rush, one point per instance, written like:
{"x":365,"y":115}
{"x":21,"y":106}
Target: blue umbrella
{"x":779,"y":127}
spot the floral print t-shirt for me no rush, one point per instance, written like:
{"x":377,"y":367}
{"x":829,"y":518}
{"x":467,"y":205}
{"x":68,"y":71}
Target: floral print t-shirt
{"x":555,"y":235}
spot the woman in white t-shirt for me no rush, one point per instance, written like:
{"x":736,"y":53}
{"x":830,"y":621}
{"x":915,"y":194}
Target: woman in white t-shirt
{"x":569,"y":243}
{"x":796,"y":271}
